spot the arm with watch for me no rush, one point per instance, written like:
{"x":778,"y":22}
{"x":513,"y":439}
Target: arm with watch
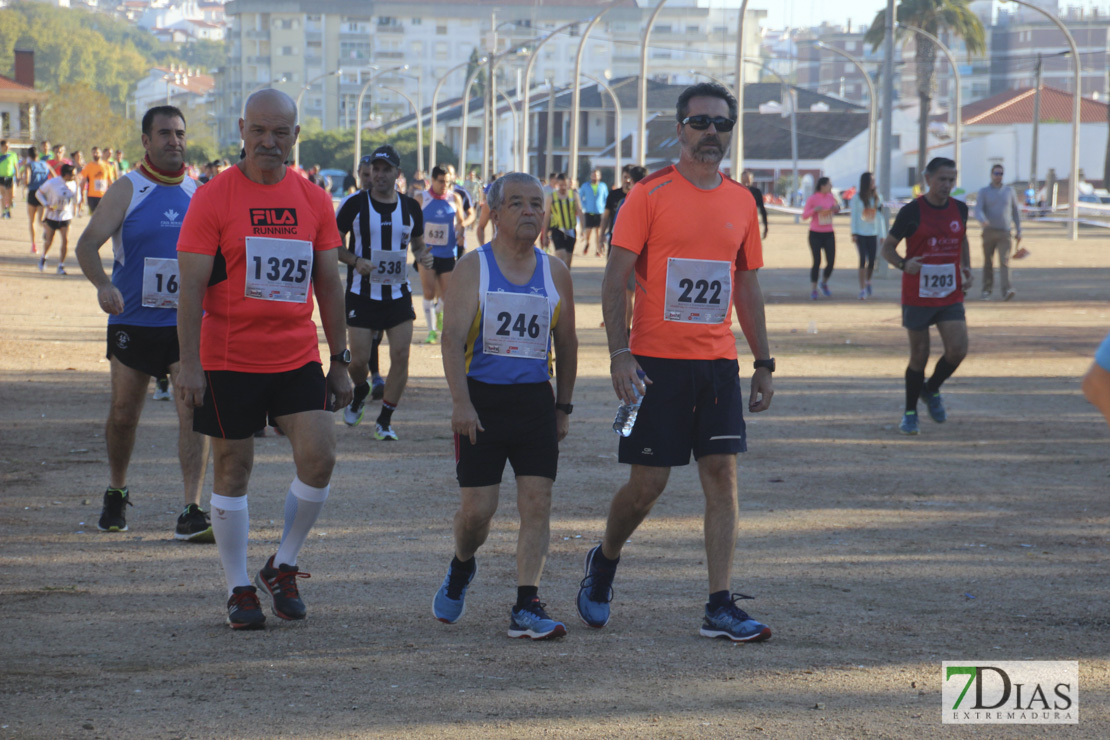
{"x":748,"y":302}
{"x":329,"y":298}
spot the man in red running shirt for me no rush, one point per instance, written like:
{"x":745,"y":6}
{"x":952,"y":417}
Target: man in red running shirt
{"x":936,"y":275}
{"x":257,"y":242}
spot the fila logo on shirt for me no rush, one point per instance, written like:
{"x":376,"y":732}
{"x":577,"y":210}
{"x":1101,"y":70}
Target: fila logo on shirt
{"x":274,"y":220}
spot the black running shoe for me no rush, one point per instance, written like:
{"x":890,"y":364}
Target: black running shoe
{"x":244,"y":612}
{"x":113,"y":516}
{"x":281,"y":584}
{"x":194,"y":525}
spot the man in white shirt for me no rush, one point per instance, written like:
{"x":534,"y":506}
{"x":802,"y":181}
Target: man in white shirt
{"x":59,"y":195}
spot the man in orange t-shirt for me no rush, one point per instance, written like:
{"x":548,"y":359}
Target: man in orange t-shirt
{"x":255,"y":245}
{"x":95,"y":179}
{"x":692,"y":237}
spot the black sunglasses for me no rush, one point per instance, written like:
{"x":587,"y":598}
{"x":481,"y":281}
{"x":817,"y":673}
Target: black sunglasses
{"x":997,"y":172}
{"x":701,"y":123}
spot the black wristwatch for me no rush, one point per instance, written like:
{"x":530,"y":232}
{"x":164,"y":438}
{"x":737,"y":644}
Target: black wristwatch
{"x":344,"y":357}
{"x":769,"y":364}
{"x":566,"y":408}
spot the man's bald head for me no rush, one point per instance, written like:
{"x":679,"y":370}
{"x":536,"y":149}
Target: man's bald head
{"x":269,"y":130}
{"x":271,"y":102}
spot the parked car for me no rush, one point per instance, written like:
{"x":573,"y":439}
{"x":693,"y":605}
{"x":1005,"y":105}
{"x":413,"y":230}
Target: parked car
{"x":335,"y":179}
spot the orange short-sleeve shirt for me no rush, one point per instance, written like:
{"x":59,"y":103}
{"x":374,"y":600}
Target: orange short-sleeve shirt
{"x":685,"y":236}
{"x":239,"y":332}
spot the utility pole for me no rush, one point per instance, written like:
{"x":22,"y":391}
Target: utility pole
{"x":888,"y":102}
{"x":1036,"y":128}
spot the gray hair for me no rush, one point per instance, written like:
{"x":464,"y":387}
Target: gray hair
{"x":496,"y":195}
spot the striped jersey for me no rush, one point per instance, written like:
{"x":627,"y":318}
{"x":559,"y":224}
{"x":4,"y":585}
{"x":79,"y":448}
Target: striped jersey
{"x":381,"y":228}
{"x":149,"y":231}
{"x":509,"y":340}
{"x":564,"y":215}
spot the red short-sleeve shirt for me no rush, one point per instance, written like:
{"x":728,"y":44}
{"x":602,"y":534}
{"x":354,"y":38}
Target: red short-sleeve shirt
{"x":250,"y":334}
{"x":665,"y":219}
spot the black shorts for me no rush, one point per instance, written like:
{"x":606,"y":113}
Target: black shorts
{"x":593,"y":220}
{"x":561,"y":241}
{"x":920,"y":318}
{"x":32,"y":199}
{"x":519,"y":423}
{"x":441,"y":265}
{"x":691,"y":405}
{"x":236,"y":405}
{"x":367,"y":313}
{"x":93,"y":203}
{"x":56,"y":225}
{"x":148,"y":349}
{"x":6,"y":182}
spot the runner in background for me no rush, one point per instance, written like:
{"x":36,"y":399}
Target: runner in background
{"x":9,"y":169}
{"x":59,"y":195}
{"x":820,"y":209}
{"x":868,"y":224}
{"x":562,"y":213}
{"x":35,"y":175}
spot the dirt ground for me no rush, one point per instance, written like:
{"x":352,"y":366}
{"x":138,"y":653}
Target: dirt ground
{"x":873,"y":556}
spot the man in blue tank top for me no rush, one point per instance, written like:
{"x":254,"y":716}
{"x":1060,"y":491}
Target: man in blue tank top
{"x":142,"y":213}
{"x":511,"y":305}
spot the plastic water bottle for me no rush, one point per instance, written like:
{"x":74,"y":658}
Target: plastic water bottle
{"x":627,"y":412}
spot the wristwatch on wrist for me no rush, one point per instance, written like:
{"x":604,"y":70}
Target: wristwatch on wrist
{"x":769,"y":364}
{"x":344,"y":357}
{"x":566,"y":408}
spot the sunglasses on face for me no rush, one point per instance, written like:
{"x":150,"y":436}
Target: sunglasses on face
{"x":997,"y":173}
{"x":701,"y":123}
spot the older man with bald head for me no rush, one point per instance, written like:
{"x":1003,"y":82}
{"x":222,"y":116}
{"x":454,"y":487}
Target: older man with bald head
{"x":257,"y":243}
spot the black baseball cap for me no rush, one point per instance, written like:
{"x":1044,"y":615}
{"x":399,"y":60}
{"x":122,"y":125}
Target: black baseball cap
{"x":384,"y":152}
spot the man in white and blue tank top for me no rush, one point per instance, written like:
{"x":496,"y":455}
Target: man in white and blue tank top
{"x":511,"y":322}
{"x":142,"y":213}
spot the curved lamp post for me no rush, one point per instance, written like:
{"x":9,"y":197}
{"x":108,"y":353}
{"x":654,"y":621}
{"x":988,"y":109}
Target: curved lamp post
{"x":955,"y":113}
{"x":300,"y":95}
{"x":358,"y":109}
{"x":617,"y":112}
{"x":738,"y":137}
{"x":642,"y":98}
{"x":873,"y":118}
{"x":419,"y":126}
{"x":435,"y":97}
{"x":576,"y":90}
{"x":516,"y":125}
{"x":793,"y":117}
{"x":466,"y":119}
{"x":526,"y":103}
{"x":1073,"y":206}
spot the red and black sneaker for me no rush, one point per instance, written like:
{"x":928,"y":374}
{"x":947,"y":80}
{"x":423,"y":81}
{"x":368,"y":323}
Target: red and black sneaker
{"x":244,"y":612}
{"x":281,"y":584}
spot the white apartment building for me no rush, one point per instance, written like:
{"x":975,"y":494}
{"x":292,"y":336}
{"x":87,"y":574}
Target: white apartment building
{"x":290,"y":43}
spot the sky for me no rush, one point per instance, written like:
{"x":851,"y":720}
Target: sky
{"x":781,"y":13}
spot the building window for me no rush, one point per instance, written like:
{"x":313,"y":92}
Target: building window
{"x":441,"y":30}
{"x":417,"y":21}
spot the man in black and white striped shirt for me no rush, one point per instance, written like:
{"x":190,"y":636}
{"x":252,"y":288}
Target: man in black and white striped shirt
{"x":384,"y":224}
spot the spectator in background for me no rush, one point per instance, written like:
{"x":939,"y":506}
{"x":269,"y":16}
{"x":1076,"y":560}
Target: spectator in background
{"x":997,"y":209}
{"x":746,"y":181}
{"x":593,"y":198}
{"x":868,"y":224}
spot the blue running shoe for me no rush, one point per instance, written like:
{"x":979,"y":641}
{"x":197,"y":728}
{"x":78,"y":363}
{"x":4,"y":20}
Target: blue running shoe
{"x":909,"y":423}
{"x":732,"y":622}
{"x":595,"y":592}
{"x":532,"y":622}
{"x":825,"y":290}
{"x":936,"y":406}
{"x":377,"y":388}
{"x":450,"y":600}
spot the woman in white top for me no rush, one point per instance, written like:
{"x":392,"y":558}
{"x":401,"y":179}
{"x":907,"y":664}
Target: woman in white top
{"x":59,"y":196}
{"x":868,"y":225}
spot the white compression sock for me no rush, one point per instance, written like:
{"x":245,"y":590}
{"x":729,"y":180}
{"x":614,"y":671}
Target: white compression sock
{"x":231,"y":527}
{"x":429,"y":312}
{"x":302,"y":507}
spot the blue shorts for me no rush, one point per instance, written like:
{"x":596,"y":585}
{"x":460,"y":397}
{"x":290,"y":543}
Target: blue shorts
{"x":1102,"y":357}
{"x":691,"y":406}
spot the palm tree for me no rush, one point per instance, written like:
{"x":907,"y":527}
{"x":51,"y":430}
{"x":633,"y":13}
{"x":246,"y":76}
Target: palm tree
{"x":933,"y":16}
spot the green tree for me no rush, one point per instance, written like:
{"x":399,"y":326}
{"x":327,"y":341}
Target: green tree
{"x":335,"y":149}
{"x":80,"y":117}
{"x":933,"y":16}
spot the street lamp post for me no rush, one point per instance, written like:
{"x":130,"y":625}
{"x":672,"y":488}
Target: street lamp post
{"x":526,"y":103}
{"x":435,"y":97}
{"x":358,"y":109}
{"x":793,"y":93}
{"x":466,"y":119}
{"x":300,"y":96}
{"x":617,"y":116}
{"x":516,"y":123}
{"x":956,"y":113}
{"x":575,"y":95}
{"x":738,"y":137}
{"x":873,"y":118}
{"x":419,"y":126}
{"x":1073,"y":206}
{"x":642,"y":102}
